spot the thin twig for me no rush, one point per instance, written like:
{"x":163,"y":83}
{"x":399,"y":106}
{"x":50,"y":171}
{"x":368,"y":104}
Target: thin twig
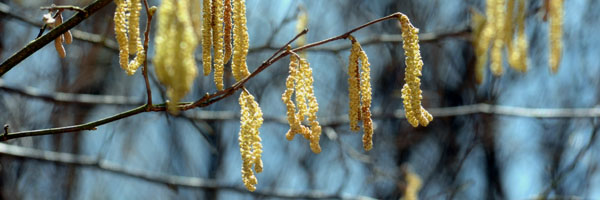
{"x":288,"y":43}
{"x":65,"y":7}
{"x":345,"y":35}
{"x":171,"y":180}
{"x":149,"y":14}
{"x":38,"y":43}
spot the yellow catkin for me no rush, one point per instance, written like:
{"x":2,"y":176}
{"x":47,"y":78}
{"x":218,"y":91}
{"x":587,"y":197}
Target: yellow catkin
{"x":134,"y":33}
{"x":217,"y":30}
{"x":301,"y":81}
{"x":249,"y":139}
{"x":196,"y":17}
{"x":556,"y":21}
{"x":498,"y":41}
{"x":227,"y":30}
{"x":120,"y":19}
{"x":359,"y":83}
{"x":509,"y":21}
{"x":126,"y":18}
{"x":354,"y":86}
{"x":134,"y":7}
{"x":301,"y":92}
{"x":487,"y":35}
{"x":477,"y":24}
{"x":176,"y":42}
{"x":313,"y":106}
{"x":411,"y":92}
{"x":241,"y":41}
{"x":206,"y":36}
{"x":289,"y":103}
{"x":517,"y":57}
{"x":413,"y":185}
{"x":365,"y":90}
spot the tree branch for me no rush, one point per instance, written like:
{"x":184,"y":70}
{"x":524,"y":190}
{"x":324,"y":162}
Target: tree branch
{"x":182,"y":181}
{"x":40,"y":42}
{"x":63,"y":7}
{"x":70,"y":98}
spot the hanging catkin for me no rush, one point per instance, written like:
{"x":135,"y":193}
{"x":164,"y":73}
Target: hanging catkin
{"x":300,"y":81}
{"x":411,"y":92}
{"x":517,"y":57}
{"x":498,"y":41}
{"x":555,"y":11}
{"x":206,"y":36}
{"x":249,"y":139}
{"x":241,"y":41}
{"x":354,"y":86}
{"x":176,"y":42}
{"x":227,"y":30}
{"x":217,"y":30}
{"x":365,"y":100}
{"x":359,"y":92}
{"x":127,"y":16}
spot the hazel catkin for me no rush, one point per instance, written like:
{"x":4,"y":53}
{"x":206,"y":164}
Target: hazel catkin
{"x":359,"y":89}
{"x":217,"y":30}
{"x":411,"y":92}
{"x":127,"y":23}
{"x":517,"y":57}
{"x":176,"y":42}
{"x":249,"y":139}
{"x":121,"y":32}
{"x":241,"y":41}
{"x":365,"y":90}
{"x":354,"y":87}
{"x":227,"y":30}
{"x":555,"y":11}
{"x":300,"y":81}
{"x":206,"y":36}
{"x":498,"y":41}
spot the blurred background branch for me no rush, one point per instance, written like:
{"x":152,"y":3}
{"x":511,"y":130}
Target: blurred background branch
{"x":171,"y":180}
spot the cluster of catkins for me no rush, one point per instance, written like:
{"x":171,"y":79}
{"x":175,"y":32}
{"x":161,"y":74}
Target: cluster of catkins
{"x":217,"y":34}
{"x":127,"y":31}
{"x":359,"y":92}
{"x":300,"y":81}
{"x":223,"y":23}
{"x":497,"y":29}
